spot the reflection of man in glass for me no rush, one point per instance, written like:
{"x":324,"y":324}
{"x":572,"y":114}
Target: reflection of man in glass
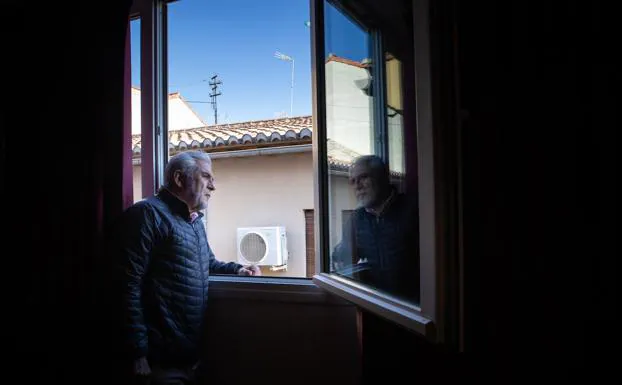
{"x":379,"y":245}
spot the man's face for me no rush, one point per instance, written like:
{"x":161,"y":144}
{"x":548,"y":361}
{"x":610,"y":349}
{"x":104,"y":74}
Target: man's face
{"x":365,"y":185}
{"x":199,"y":188}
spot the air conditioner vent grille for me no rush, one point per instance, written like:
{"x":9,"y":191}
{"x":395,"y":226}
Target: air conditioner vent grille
{"x":253,"y":247}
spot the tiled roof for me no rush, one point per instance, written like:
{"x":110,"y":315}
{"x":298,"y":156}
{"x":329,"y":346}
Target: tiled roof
{"x":338,"y":59}
{"x":339,"y":156}
{"x":237,"y":136}
{"x":271,"y":131}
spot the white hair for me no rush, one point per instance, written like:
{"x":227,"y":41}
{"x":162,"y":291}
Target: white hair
{"x":186,"y":163}
{"x":377,"y":166}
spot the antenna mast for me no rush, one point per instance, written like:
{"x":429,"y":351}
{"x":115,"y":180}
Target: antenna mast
{"x":214,"y":83}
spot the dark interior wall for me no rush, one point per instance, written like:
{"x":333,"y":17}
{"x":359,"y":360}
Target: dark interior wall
{"x":278,"y":341}
{"x":61,"y":112}
{"x":537,"y":162}
{"x":538,"y":191}
{"x":61,"y":118}
{"x":392,"y":354}
{"x":538,"y":282}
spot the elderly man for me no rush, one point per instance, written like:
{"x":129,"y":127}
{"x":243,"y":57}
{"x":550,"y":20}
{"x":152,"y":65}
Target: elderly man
{"x":165,"y":264}
{"x":379,"y":244}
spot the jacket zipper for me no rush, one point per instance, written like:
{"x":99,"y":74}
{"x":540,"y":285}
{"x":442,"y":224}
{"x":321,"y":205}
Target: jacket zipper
{"x":198,"y":238}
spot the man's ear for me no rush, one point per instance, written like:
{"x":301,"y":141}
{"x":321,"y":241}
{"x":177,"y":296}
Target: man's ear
{"x":179,"y":179}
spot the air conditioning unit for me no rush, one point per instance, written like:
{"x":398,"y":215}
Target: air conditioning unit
{"x":262,"y":246}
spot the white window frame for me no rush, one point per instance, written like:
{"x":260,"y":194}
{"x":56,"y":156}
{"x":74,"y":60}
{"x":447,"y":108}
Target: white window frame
{"x":154,"y":95}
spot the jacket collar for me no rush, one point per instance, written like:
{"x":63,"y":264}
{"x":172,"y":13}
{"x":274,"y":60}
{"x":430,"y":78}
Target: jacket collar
{"x":177,"y":205}
{"x":385,"y":205}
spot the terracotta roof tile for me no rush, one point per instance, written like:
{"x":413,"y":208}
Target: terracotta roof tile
{"x":273,"y":131}
{"x":343,"y":60}
{"x":249,"y":133}
{"x":339,"y":155}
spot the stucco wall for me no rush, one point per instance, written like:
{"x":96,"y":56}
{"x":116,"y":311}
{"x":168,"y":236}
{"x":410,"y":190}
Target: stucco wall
{"x":268,"y":190}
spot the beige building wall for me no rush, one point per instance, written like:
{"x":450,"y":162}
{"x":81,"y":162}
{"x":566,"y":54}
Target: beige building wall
{"x":341,"y":198}
{"x":349,"y":112}
{"x":180,"y":114}
{"x":268,"y":190}
{"x":137,"y":184}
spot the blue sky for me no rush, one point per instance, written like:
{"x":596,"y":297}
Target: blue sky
{"x":237,"y":39}
{"x":343,"y":37}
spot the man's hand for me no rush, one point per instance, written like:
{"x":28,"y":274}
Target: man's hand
{"x":338,"y":265}
{"x":250,"y":270}
{"x":141,"y":367}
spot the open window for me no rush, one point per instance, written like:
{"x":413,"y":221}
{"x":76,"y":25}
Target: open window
{"x":373,"y":103}
{"x":371,"y":109}
{"x":235,"y":83}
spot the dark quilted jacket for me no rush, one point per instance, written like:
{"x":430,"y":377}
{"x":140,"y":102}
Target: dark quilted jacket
{"x":165,"y":264}
{"x":389,"y":244}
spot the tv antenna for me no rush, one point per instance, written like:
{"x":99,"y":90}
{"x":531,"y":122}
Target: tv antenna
{"x":214,"y":83}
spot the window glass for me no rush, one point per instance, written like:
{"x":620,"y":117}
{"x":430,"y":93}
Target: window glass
{"x":395,"y":120}
{"x":377,"y":241}
{"x":239,"y":88}
{"x":136,"y":112}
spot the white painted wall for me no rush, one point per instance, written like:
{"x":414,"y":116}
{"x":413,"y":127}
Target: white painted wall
{"x":180,"y":114}
{"x":271,"y":190}
{"x":349,"y":113}
{"x":137,"y":183}
{"x":395,"y":126}
{"x":135,"y":111}
{"x":341,"y":198}
{"x":395,"y":123}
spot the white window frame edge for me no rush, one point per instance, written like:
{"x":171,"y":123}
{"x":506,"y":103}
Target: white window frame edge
{"x":271,"y":289}
{"x":144,"y":9}
{"x":153,"y":91}
{"x":427,"y":183}
{"x":382,"y":304}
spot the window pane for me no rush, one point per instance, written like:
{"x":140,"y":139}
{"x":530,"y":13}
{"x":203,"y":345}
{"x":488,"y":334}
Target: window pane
{"x":349,"y":114}
{"x":395,"y":121}
{"x":373,"y":224}
{"x":239,"y":83}
{"x":136,"y":111}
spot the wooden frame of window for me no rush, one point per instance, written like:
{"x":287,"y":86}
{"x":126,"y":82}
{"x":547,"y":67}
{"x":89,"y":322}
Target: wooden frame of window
{"x":437,"y":177}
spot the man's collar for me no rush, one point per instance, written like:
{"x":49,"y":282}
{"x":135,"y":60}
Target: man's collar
{"x":177,"y":205}
{"x":381,"y":209}
{"x":195,"y":215}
